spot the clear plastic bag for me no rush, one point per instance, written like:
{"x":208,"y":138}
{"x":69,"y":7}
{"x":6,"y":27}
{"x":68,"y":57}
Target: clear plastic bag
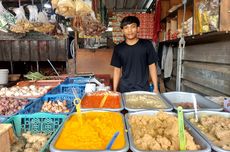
{"x":33,"y":10}
{"x":66,"y":8}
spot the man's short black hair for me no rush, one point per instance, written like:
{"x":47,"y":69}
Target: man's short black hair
{"x":129,"y":20}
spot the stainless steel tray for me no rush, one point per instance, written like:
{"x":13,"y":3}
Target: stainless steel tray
{"x":106,"y":109}
{"x":125,"y":149}
{"x":198,"y":139}
{"x":180,"y":97}
{"x":207,"y":113}
{"x":168,"y":106}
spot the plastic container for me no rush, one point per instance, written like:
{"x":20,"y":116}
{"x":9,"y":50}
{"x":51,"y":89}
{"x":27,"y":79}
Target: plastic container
{"x":124,"y":149}
{"x":37,"y":104}
{"x":197,"y":138}
{"x":38,"y":123}
{"x":4,"y":76}
{"x":175,"y":98}
{"x":167,"y":106}
{"x":207,"y":113}
{"x":227,"y":104}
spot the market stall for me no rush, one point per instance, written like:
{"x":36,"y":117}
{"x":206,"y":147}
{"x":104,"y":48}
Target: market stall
{"x":63,"y":97}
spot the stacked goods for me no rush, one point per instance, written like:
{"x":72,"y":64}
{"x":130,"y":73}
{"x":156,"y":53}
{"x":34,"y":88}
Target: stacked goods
{"x":158,"y":132}
{"x":146,"y":25}
{"x":91,"y":131}
{"x":55,"y":106}
{"x":206,"y":16}
{"x":9,"y":106}
{"x":31,"y":91}
{"x":93,"y":100}
{"x":30,"y":142}
{"x":144,"y":101}
{"x":216,"y":128}
{"x":187,"y":105}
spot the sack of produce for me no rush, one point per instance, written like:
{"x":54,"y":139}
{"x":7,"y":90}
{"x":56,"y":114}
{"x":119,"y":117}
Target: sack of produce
{"x":66,"y":8}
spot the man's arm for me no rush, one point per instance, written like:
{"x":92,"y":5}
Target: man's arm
{"x":116,"y":77}
{"x":153,"y":74}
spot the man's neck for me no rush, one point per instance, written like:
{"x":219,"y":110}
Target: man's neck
{"x":131,"y":42}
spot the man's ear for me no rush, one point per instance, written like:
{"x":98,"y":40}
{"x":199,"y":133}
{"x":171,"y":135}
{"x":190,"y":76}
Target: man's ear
{"x":138,"y":29}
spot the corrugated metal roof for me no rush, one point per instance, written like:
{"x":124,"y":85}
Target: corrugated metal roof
{"x":128,"y":5}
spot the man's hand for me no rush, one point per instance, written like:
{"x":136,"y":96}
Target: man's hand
{"x":156,"y":90}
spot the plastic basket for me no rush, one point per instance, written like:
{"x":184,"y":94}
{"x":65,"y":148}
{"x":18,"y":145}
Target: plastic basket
{"x":77,"y":80}
{"x":5,"y":117}
{"x":36,"y":106}
{"x":67,"y":89}
{"x":55,"y":90}
{"x":38,"y":123}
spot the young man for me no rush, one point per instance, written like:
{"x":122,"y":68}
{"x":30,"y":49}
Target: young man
{"x":133,"y":60}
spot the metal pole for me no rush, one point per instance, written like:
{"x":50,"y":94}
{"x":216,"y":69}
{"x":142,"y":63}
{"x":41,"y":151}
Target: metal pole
{"x":180,"y":52}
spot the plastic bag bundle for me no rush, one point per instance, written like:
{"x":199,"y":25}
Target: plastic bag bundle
{"x":66,"y":8}
{"x":22,"y":24}
{"x":82,"y":8}
{"x":6,"y":19}
{"x":20,"y":14}
{"x":207,"y":14}
{"x":54,"y":3}
{"x":33,"y":10}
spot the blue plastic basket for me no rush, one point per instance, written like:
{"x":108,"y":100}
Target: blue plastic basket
{"x":55,"y":90}
{"x":38,"y":123}
{"x":67,"y":89}
{"x":77,"y":80}
{"x":5,"y":117}
{"x":36,"y":106}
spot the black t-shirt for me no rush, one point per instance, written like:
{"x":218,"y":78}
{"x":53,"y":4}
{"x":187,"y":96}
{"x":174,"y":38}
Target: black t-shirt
{"x":134,"y":61}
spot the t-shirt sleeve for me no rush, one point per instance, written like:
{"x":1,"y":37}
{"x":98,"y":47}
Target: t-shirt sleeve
{"x":152,"y":56}
{"x":115,"y":61}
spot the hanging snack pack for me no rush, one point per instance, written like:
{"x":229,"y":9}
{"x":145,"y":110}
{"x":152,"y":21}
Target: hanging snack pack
{"x":206,"y":16}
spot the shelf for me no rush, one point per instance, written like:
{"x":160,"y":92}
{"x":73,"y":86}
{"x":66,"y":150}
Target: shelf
{"x":174,"y":13}
{"x":201,"y":38}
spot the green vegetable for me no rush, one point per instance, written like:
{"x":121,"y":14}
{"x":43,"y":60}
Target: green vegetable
{"x":35,"y":76}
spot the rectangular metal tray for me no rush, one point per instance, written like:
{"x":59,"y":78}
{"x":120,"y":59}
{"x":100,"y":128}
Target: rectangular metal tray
{"x":198,"y":139}
{"x":179,"y":97}
{"x":125,"y":149}
{"x":168,"y":106}
{"x":191,"y":114}
{"x":106,"y":109}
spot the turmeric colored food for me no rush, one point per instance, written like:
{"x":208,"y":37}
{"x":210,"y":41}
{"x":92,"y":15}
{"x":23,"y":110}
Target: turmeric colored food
{"x":93,"y":100}
{"x":158,"y":132}
{"x":94,"y":133}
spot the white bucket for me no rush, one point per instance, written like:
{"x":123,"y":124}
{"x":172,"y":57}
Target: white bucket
{"x":4,"y":76}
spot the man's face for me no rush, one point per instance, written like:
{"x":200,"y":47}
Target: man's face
{"x":130,"y":31}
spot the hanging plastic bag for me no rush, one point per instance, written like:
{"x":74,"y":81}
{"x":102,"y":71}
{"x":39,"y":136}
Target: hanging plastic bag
{"x":22,"y":24}
{"x":6,"y":15}
{"x":54,"y":3}
{"x":66,"y":8}
{"x":82,"y":8}
{"x":33,"y":10}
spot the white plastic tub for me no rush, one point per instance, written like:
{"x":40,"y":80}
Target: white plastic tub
{"x":4,"y":76}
